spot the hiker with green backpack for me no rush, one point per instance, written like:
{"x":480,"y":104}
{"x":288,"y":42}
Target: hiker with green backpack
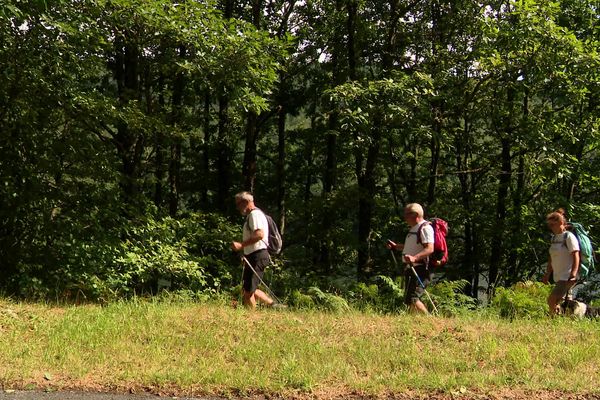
{"x":563,"y":261}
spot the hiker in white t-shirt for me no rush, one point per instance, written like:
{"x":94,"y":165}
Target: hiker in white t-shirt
{"x":563,"y":261}
{"x":417,"y":247}
{"x":254,"y":245}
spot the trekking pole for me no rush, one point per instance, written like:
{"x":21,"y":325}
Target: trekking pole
{"x":261,"y":281}
{"x":423,"y":286}
{"x":418,"y":280}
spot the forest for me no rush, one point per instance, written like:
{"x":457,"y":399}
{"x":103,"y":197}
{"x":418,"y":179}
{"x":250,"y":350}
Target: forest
{"x":127,"y":127}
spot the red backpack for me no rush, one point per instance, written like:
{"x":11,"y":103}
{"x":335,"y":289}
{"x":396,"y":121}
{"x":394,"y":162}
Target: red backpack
{"x":440,"y":249}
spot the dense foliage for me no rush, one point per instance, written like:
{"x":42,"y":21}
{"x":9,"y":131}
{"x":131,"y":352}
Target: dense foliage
{"x":126,"y":127}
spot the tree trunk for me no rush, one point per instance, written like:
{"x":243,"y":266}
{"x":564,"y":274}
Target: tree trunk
{"x":514,"y":273}
{"x":281,"y":168}
{"x":223,"y":156}
{"x":497,"y":243}
{"x":366,"y":200}
{"x":392,"y":179}
{"x":206,"y":150}
{"x":252,"y":127}
{"x":411,"y":183}
{"x":434,"y":146}
{"x":175,"y":159}
{"x":130,"y":146}
{"x":159,"y":173}
{"x":249,"y":163}
{"x":351,"y":31}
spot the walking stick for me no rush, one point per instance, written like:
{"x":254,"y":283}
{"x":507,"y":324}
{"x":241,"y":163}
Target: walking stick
{"x":260,"y":279}
{"x":418,"y":280}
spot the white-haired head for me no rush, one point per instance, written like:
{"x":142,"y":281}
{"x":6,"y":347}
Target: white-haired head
{"x":244,"y":196}
{"x":414,"y":208}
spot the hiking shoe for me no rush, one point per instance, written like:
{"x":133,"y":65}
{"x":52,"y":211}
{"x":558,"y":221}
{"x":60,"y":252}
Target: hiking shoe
{"x":278,"y":306}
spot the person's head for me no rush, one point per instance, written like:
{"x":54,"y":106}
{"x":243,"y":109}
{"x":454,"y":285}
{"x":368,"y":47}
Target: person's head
{"x":413,"y":213}
{"x":557,"y":222}
{"x":244,"y":202}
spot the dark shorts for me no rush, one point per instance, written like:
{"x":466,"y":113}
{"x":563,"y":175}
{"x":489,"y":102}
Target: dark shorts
{"x":562,"y":289}
{"x":412,"y":289}
{"x":259,"y":260}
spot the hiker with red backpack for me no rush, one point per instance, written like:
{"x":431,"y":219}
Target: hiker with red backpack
{"x":416,"y":251}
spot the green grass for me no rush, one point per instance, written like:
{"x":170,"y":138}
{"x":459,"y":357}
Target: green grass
{"x":210,"y":348}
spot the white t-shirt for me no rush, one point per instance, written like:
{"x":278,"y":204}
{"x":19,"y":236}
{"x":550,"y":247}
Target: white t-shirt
{"x":561,"y":255}
{"x":411,"y":246}
{"x":255,"y":220}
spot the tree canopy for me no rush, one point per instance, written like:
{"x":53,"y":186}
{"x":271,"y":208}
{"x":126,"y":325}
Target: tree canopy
{"x":128,"y":125}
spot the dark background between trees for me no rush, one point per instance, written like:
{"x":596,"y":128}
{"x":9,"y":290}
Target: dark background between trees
{"x":128,"y":125}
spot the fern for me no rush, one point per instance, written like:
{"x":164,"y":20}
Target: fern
{"x":328,"y":301}
{"x":450,"y":299}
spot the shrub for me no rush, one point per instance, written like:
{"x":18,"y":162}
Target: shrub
{"x":136,"y":257}
{"x":301,"y":301}
{"x":523,"y":300}
{"x":315,"y":298}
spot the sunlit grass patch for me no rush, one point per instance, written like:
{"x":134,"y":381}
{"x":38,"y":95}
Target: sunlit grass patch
{"x":212,"y":348}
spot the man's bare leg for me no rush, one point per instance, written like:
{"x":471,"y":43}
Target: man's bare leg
{"x":263,"y":297}
{"x":418,"y":308}
{"x":249,"y":300}
{"x":251,"y":297}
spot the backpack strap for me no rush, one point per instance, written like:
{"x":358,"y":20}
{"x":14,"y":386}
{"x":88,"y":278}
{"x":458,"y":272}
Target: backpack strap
{"x":248,"y":218}
{"x":420,"y":232}
{"x":420,"y":239}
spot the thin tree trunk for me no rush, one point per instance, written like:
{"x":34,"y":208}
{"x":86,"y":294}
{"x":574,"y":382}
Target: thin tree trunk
{"x":159,"y":173}
{"x":129,"y":145}
{"x":223,"y":152}
{"x":468,"y":190}
{"x":175,"y":159}
{"x":281,"y":168}
{"x":497,"y":243}
{"x":514,"y":274}
{"x":223,"y":156}
{"x":252,"y":127}
{"x":366,"y":201}
{"x":206,"y":149}
{"x":330,"y":175}
{"x":249,"y":163}
{"x":434,"y":146}
{"x":411,"y":184}
{"x":392,"y":179}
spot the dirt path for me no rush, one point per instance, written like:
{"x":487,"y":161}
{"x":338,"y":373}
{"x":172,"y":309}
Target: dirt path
{"x":500,"y":395}
{"x":33,"y":395}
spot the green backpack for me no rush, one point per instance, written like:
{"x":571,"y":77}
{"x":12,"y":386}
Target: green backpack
{"x":586,"y":250}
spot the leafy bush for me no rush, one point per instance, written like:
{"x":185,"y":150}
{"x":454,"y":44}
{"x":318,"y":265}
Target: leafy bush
{"x":301,"y":301}
{"x":385,"y":295}
{"x":315,"y":298}
{"x":523,"y":300}
{"x":190,"y":253}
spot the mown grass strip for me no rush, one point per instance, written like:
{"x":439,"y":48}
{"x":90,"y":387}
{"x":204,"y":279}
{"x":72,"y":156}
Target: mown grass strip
{"x":214,"y":349}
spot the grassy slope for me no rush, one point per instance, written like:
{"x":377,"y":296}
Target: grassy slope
{"x":214,"y":349}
